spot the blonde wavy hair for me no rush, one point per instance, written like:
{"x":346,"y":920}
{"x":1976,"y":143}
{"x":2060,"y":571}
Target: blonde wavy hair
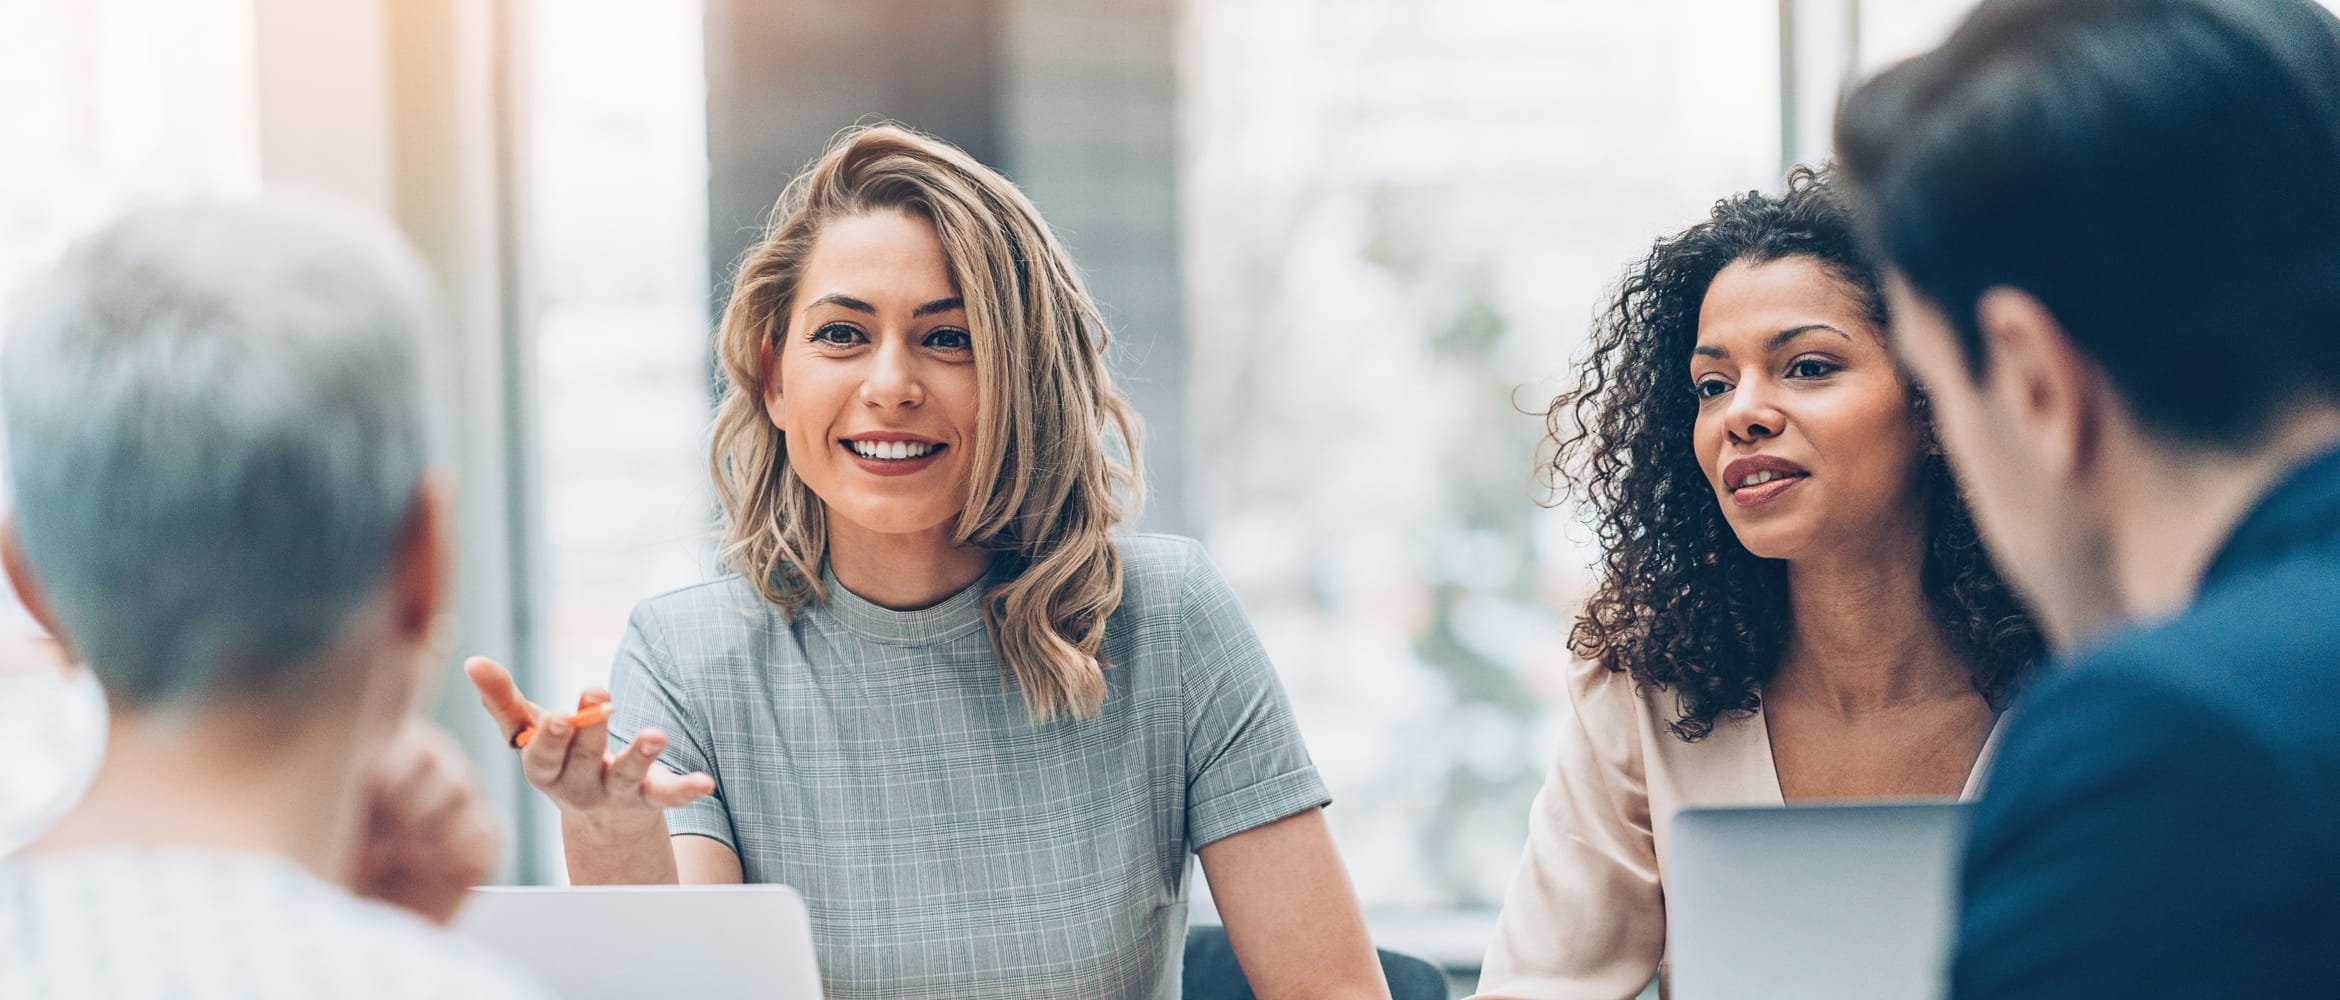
{"x":1046,"y":489}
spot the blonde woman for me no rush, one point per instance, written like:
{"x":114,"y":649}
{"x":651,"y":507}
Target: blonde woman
{"x":936,"y":693}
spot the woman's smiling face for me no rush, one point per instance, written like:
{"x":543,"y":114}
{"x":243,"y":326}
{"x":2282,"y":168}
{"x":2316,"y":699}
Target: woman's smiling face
{"x":1804,"y":429}
{"x":875,"y":393}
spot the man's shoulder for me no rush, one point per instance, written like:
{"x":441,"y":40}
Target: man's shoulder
{"x":139,"y":924}
{"x":444,"y":957}
{"x":2237,"y":693}
{"x":2163,"y":808}
{"x":2261,"y":653}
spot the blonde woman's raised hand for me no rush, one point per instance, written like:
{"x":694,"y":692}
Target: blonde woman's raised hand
{"x":567,"y":757}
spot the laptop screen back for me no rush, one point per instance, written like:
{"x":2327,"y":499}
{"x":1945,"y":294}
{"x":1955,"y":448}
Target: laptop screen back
{"x":1816,"y":902}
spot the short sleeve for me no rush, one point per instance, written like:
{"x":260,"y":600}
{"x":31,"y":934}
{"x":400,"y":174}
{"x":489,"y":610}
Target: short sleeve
{"x":645,"y":691}
{"x":1245,"y":763}
{"x":1585,"y":916}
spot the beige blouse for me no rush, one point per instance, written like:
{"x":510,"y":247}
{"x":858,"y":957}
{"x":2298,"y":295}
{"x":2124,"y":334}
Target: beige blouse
{"x":1585,"y":918}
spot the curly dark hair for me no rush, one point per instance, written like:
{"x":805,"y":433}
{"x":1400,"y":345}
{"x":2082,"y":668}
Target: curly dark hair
{"x":1681,"y":603}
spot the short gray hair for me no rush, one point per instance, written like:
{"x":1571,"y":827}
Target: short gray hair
{"x":217,"y":431}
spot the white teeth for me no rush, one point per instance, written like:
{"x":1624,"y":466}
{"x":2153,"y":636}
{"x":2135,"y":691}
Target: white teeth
{"x":891,"y":451}
{"x":1759,"y":479}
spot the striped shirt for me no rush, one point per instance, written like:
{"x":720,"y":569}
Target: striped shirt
{"x":882,"y":763}
{"x":188,"y":925}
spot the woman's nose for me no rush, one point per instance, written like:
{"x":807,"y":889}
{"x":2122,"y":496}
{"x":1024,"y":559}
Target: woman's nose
{"x":1752,"y":415}
{"x":893,"y":378}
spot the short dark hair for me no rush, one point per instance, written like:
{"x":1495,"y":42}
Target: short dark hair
{"x":2163,"y":175}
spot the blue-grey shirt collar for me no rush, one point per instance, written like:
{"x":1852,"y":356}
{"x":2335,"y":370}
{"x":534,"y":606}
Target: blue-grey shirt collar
{"x":2303,"y":509}
{"x":953,"y":617}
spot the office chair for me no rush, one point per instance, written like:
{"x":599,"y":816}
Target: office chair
{"x":1211,"y":972}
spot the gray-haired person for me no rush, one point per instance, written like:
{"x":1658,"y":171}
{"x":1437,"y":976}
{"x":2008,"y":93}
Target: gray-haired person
{"x":217,"y":432}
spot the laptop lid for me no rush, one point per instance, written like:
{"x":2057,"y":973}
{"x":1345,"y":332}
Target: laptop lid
{"x":1815,"y":902}
{"x":635,"y":941}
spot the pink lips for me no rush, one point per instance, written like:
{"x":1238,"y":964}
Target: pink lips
{"x":1790,"y":476}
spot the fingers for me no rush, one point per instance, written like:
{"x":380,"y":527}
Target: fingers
{"x":546,"y":757}
{"x":657,"y":786}
{"x":588,"y":745}
{"x":667,"y":790}
{"x":633,"y":763}
{"x":429,"y":835}
{"x":500,"y":696}
{"x":428,"y":791}
{"x":568,"y":760}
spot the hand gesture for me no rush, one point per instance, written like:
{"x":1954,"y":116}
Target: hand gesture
{"x":567,"y":758}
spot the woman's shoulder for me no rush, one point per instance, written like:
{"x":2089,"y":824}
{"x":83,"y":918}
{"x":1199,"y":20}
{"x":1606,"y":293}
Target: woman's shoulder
{"x":1155,"y":554}
{"x":1616,"y":703}
{"x":1160,"y":574}
{"x":1606,"y":698}
{"x":1630,"y":720}
{"x":710,"y":610}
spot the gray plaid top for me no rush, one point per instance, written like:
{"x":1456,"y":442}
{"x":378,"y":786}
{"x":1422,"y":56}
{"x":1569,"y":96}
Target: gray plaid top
{"x":882,"y":763}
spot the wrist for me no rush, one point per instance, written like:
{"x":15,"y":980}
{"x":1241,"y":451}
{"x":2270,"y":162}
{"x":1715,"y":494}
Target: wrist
{"x":589,"y":830}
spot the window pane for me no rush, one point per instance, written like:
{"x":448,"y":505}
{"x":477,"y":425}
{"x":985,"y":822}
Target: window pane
{"x":1893,"y":30}
{"x":1402,"y":217}
{"x":114,"y":103}
{"x":617,"y":209}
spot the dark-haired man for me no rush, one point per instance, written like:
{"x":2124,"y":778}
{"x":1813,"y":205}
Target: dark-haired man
{"x":2114,"y":230}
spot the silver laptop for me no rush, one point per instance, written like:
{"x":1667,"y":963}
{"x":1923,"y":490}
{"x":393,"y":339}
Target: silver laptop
{"x":635,"y":941}
{"x":1813,"y":902}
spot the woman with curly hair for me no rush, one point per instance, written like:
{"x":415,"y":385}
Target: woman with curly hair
{"x":939,"y":691}
{"x":1793,"y":605}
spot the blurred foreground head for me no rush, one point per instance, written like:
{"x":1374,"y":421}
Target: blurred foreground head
{"x":2163,"y":175}
{"x":2112,"y":232}
{"x":217,"y":438}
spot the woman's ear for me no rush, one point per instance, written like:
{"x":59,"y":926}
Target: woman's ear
{"x":768,"y":370}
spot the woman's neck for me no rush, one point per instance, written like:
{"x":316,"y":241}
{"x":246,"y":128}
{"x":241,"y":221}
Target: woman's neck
{"x":1863,"y":635}
{"x":903,"y":572}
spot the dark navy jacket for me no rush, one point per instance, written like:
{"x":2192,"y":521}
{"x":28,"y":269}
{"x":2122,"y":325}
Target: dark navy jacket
{"x":2164,"y":817}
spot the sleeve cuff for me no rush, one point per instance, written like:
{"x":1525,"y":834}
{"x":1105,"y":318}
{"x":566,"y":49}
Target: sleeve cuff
{"x":1255,"y":805}
{"x":704,"y":818}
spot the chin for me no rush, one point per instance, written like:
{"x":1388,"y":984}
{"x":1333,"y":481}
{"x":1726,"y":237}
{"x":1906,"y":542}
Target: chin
{"x":891,"y":517}
{"x":1774,"y":541}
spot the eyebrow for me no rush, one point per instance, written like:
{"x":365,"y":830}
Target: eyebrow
{"x":1773,"y":342}
{"x":849,"y":302}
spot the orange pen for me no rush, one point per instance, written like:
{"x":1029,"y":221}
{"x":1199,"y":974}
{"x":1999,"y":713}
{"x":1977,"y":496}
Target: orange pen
{"x":586,"y":716}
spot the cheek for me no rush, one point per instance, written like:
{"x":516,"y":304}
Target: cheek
{"x":958,"y":396}
{"x":805,"y":399}
{"x":1706,"y":437}
{"x":1877,"y":430}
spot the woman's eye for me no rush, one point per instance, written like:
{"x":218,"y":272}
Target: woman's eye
{"x":1709,"y":388}
{"x":835,"y":334}
{"x":949,"y":340}
{"x":1811,"y":368}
